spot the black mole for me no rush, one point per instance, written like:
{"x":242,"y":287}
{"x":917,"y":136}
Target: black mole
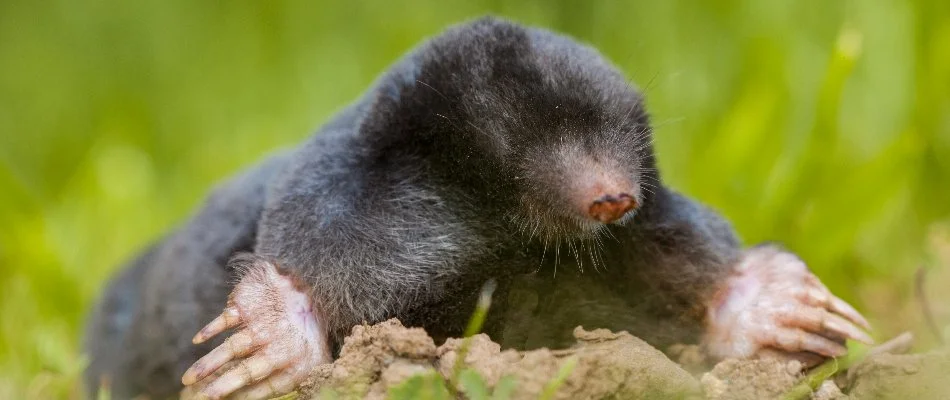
{"x":492,"y":151}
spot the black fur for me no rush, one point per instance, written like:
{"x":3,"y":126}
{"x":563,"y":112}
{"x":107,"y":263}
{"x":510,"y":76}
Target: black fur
{"x":450,"y":170}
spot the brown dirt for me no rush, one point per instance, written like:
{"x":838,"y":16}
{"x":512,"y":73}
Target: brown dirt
{"x":608,"y":365}
{"x":751,"y":380}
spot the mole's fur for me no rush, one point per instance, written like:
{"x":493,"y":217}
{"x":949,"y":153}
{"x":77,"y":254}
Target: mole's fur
{"x":491,"y":151}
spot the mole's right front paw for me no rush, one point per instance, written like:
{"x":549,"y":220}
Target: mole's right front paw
{"x":279,"y":340}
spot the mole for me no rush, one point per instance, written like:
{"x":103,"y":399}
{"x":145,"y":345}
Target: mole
{"x":493,"y":151}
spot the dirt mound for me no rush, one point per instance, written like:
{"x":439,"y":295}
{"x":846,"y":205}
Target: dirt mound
{"x":376,"y":359}
{"x":390,"y":361}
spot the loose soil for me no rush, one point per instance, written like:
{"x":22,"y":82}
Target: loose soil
{"x":377,"y":359}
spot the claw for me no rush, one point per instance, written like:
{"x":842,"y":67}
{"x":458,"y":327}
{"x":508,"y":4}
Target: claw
{"x":841,"y":307}
{"x":238,"y":345}
{"x":842,"y":327}
{"x":246,"y":372}
{"x":819,"y":295}
{"x":228,"y":319}
{"x":819,"y":320}
{"x":276,"y":385}
{"x":814,"y":296}
{"x":795,"y":340}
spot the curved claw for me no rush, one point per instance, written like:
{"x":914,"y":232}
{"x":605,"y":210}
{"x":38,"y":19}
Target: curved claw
{"x":796,"y":340}
{"x":820,"y":320}
{"x":817,"y":294}
{"x":282,"y":382}
{"x":844,"y":309}
{"x":238,"y":345}
{"x":842,"y":327}
{"x":244,"y":373}
{"x":228,"y":319}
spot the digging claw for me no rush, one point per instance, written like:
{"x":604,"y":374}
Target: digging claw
{"x":238,"y":345}
{"x":841,"y":307}
{"x":228,"y":319}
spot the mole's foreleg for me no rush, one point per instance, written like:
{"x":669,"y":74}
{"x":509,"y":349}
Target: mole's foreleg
{"x":773,"y":305}
{"x":279,"y":337}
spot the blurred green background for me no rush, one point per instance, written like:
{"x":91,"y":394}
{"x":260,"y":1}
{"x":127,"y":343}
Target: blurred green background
{"x":821,"y":124}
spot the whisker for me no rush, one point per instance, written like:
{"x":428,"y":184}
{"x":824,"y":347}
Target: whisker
{"x":577,"y":257}
{"x":591,"y":252}
{"x":537,"y":225}
{"x":544,"y":251}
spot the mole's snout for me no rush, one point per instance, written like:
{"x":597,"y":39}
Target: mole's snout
{"x":610,"y":208}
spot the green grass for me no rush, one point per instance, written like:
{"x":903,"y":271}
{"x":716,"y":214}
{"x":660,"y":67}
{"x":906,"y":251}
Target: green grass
{"x":821,"y":124}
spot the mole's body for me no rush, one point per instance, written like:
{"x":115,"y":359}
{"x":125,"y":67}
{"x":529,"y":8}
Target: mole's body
{"x":491,"y":151}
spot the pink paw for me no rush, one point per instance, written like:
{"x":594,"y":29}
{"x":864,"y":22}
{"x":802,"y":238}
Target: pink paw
{"x":279,"y":341}
{"x":774,"y":306}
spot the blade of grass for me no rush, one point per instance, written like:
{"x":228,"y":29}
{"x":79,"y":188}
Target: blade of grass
{"x":474,"y":326}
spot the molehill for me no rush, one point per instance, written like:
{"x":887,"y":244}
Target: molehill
{"x":378,"y":361}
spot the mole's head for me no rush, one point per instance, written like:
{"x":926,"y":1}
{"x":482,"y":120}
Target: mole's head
{"x":578,"y":161}
{"x":581,"y":176}
{"x":534,"y":122}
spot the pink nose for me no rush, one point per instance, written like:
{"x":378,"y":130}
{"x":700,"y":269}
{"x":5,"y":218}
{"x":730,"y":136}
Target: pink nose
{"x":610,"y":208}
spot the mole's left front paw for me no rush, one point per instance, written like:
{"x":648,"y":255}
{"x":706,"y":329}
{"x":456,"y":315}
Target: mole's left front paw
{"x":279,"y":341}
{"x":775,"y":305}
